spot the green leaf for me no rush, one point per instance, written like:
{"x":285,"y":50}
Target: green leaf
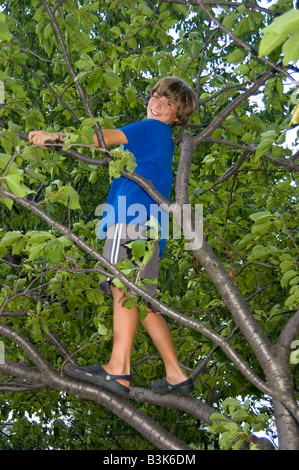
{"x":291,"y":49}
{"x":4,"y":31}
{"x":267,"y":139}
{"x":122,"y":159}
{"x":119,"y":284}
{"x":295,"y":117}
{"x":7,"y":202}
{"x":229,"y":21}
{"x":142,"y":311}
{"x":294,"y":356}
{"x":217,"y":417}
{"x":148,"y":256}
{"x":286,"y":264}
{"x":261,"y":228}
{"x":263,"y":222}
{"x":102,"y":330}
{"x":236,"y":56}
{"x":44,"y":324}
{"x":288,"y":275}
{"x":67,"y":196}
{"x":36,"y":251}
{"x":270,"y":41}
{"x":112,"y":80}
{"x":138,"y":248}
{"x":116,"y":31}
{"x":260,"y":217}
{"x":14,"y":183}
{"x":130,"y":302}
{"x":11,"y":238}
{"x":48,"y":31}
{"x":258,"y":252}
{"x":276,"y":33}
{"x":130,"y":163}
{"x":54,"y":251}
{"x":228,"y":437}
{"x":35,"y":237}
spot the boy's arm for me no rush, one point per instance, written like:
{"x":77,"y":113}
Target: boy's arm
{"x":111,"y":137}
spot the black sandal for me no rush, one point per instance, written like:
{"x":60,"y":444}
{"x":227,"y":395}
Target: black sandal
{"x":96,"y":374}
{"x":182,"y":388}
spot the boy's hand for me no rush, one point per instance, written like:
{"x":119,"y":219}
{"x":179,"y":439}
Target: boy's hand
{"x":42,"y":137}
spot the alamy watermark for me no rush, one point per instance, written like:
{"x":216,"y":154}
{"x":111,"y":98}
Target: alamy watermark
{"x":2,"y":93}
{"x":295,"y":96}
{"x":186,"y":220}
{"x":294,"y":358}
{"x":2,"y":352}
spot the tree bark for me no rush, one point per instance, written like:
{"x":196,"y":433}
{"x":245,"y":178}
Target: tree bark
{"x":273,"y":359}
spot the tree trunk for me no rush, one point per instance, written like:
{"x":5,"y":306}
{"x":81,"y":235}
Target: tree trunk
{"x":287,"y":425}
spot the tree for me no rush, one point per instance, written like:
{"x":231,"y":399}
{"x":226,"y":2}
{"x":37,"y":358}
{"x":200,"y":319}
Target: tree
{"x":232,"y":304}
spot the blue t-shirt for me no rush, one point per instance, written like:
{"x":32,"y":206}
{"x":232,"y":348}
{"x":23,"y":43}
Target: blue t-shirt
{"x":150,"y":141}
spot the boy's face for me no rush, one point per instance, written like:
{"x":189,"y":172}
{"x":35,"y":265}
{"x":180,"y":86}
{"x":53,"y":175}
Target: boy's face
{"x":162,"y":109}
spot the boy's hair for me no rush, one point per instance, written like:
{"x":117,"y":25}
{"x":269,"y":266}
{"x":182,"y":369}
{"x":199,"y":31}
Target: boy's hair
{"x":179,"y":92}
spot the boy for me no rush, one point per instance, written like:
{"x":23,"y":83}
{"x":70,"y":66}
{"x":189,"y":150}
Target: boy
{"x":171,"y":103}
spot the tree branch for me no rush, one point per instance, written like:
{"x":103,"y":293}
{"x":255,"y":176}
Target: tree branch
{"x":252,"y":5}
{"x":242,"y":44}
{"x":230,"y":107}
{"x":232,"y":298}
{"x":146,"y":426}
{"x":159,"y":306}
{"x":28,"y":348}
{"x":72,"y":72}
{"x":61,"y":101}
{"x":231,"y":171}
{"x":289,"y":332}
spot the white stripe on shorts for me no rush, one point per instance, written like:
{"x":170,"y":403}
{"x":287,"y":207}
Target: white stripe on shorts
{"x":116,"y":243}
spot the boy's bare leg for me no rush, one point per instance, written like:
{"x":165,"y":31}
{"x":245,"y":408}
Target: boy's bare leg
{"x":125,"y":322}
{"x":159,"y":332}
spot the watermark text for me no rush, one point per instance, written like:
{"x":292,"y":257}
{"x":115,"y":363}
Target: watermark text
{"x":2,"y":352}
{"x":187,"y":221}
{"x":2,"y":93}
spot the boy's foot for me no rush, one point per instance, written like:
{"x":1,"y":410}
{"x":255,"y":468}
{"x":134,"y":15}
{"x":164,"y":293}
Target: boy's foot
{"x":182,"y":388}
{"x":96,"y":374}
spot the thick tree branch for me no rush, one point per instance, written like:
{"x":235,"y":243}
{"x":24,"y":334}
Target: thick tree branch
{"x":29,"y":349}
{"x":183,"y":173}
{"x":31,"y":380}
{"x":223,"y":282}
{"x":289,"y":332}
{"x":264,"y":350}
{"x":287,"y":163}
{"x":189,"y":322}
{"x":146,"y":426}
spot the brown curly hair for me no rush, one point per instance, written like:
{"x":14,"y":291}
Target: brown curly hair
{"x":179,"y":92}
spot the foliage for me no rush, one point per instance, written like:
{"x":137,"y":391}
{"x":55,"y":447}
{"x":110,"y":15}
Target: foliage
{"x":118,"y":49}
{"x":277,"y":33}
{"x":239,"y":426}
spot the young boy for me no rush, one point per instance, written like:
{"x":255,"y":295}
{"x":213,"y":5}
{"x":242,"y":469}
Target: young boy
{"x":171,"y":103}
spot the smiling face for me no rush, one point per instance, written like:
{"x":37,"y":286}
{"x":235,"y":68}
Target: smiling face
{"x":162,"y":109}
